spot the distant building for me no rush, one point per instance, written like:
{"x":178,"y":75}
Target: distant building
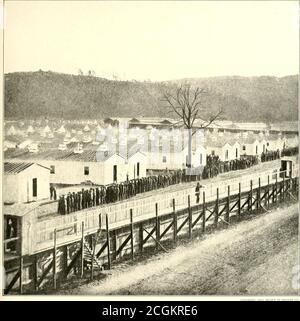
{"x":224,"y":147}
{"x":95,"y":165}
{"x":25,"y":182}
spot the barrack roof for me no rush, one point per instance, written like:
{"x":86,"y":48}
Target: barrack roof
{"x":15,"y":168}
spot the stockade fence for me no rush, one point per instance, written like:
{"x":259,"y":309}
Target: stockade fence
{"x":166,"y":221}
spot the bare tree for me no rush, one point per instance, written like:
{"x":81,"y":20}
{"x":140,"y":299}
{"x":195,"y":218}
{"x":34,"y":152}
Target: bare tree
{"x":186,"y":103}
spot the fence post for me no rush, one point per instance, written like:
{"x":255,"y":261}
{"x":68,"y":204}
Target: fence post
{"x":141,"y":237}
{"x":239,"y":201}
{"x":54,"y":260}
{"x":250,"y":196}
{"x":35,"y":272}
{"x":174,"y":222}
{"x":131,"y":235}
{"x":157,"y":228}
{"x":258,"y":202}
{"x":290,"y":187}
{"x":283,"y":188}
{"x":227,"y":218}
{"x":93,"y":255}
{"x":190,"y":217}
{"x":204,"y":214}
{"x":276,"y":188}
{"x":217,"y":209}
{"x":268,"y":193}
{"x":108,"y":244}
{"x":82,"y":249}
{"x":21,"y":266}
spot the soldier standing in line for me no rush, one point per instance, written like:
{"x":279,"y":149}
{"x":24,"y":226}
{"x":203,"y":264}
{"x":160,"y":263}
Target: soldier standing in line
{"x":101,"y":191}
{"x":59,"y":206}
{"x":79,"y":200}
{"x":75,"y":200}
{"x":97,"y":196}
{"x":104,"y":194}
{"x":86,"y":198}
{"x":71,"y":202}
{"x":63,"y":205}
{"x":82,"y":198}
{"x":51,"y":191}
{"x":93,"y":197}
{"x":197,"y":192}
{"x":68,"y":203}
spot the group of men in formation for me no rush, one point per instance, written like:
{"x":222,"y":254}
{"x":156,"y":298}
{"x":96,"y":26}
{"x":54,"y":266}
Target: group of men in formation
{"x":215,"y":166}
{"x":270,"y":155}
{"x":94,"y":196}
{"x":290,"y":151}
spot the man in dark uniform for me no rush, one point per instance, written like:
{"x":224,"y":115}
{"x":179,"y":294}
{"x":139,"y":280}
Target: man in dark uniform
{"x":79,"y":200}
{"x":197,"y":192}
{"x":51,"y":191}
{"x":82,"y":199}
{"x":97,"y":196}
{"x":68,"y":203}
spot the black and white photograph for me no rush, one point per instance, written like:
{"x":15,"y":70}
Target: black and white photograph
{"x":150,"y":149}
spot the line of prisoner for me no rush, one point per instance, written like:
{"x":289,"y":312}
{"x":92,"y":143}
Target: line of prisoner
{"x":100,"y":195}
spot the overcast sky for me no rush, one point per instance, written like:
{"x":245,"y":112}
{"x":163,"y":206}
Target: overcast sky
{"x":153,"y":40}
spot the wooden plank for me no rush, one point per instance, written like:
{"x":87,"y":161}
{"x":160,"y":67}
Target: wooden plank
{"x":12,"y":282}
{"x":54,"y":260}
{"x":276,"y":188}
{"x":149,"y":235}
{"x":21,"y":266}
{"x":175,"y":222}
{"x":157,"y":225}
{"x":283,"y":188}
{"x":290,"y":189}
{"x":121,"y":247}
{"x":246,"y":202}
{"x":35,"y":272}
{"x":203,"y":213}
{"x":268,"y":193}
{"x":21,"y":275}
{"x":227,"y":216}
{"x":157,"y":242}
{"x":250,"y":204}
{"x":108,"y":244}
{"x":223,"y":209}
{"x":166,"y":230}
{"x":233,"y":206}
{"x":131,"y":235}
{"x":190,"y":218}
{"x":217,"y":209}
{"x":82,"y":250}
{"x":199,"y":217}
{"x":101,"y":249}
{"x":45,"y":273}
{"x":258,"y":192}
{"x":141,"y":237}
{"x":186,"y":220}
{"x":93,"y":254}
{"x":239,"y":200}
{"x":72,"y":263}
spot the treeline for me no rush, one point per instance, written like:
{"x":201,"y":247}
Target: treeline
{"x":49,"y":94}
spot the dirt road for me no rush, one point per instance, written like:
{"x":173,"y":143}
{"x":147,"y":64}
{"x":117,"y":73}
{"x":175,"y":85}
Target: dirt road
{"x":253,"y":257}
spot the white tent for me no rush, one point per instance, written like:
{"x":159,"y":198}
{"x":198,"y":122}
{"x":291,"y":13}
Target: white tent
{"x":11,"y":131}
{"x":86,"y":128}
{"x":47,"y":129}
{"x":61,"y":130}
{"x":30,"y":130}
